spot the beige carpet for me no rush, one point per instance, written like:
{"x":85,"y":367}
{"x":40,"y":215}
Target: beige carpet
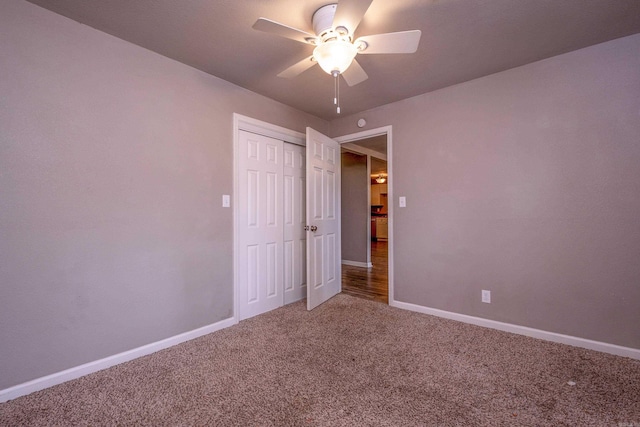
{"x":350,"y":362}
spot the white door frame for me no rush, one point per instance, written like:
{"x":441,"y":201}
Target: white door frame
{"x":249,"y":124}
{"x":354,"y":148}
{"x":385,"y":130}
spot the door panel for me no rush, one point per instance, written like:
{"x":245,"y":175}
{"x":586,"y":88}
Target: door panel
{"x":260,"y":214}
{"x":295,"y":238}
{"x":323,"y":208}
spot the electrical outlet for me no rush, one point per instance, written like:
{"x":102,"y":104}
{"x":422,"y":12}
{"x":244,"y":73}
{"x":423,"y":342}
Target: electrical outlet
{"x":486,"y":296}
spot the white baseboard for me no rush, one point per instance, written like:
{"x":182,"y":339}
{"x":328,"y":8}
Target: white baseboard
{"x":98,"y":365}
{"x":357,"y":263}
{"x":617,"y":350}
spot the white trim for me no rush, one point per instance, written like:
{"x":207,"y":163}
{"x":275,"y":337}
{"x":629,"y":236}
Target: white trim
{"x":365,"y":134}
{"x":98,"y":365}
{"x":357,"y":263}
{"x":617,"y":350}
{"x":388,"y":130}
{"x":249,"y":124}
{"x":368,"y":208}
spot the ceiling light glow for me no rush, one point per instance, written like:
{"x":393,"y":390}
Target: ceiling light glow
{"x":335,"y":55}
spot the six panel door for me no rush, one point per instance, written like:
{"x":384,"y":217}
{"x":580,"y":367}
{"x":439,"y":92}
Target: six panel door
{"x":271,"y":214}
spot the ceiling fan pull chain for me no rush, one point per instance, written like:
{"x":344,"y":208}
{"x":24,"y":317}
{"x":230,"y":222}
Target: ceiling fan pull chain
{"x":336,"y":89}
{"x":337,"y":85}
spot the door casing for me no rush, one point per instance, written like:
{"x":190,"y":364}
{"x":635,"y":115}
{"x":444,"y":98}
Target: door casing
{"x":388,"y":131}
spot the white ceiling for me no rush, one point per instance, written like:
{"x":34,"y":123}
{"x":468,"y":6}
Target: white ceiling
{"x":461,"y":40}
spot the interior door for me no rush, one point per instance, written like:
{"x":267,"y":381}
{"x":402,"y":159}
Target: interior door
{"x":324,"y":254}
{"x":260,"y":217}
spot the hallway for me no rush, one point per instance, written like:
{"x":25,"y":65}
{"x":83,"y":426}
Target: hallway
{"x":369,"y":283}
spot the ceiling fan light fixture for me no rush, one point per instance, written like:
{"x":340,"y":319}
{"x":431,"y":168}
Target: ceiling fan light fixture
{"x":380,"y":179}
{"x":335,"y":55}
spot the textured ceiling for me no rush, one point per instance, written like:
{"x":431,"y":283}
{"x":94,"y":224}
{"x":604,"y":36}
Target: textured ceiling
{"x":461,"y":40}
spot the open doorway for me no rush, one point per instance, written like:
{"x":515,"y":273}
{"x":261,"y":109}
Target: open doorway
{"x":365,"y":218}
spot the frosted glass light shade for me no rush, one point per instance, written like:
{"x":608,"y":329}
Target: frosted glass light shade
{"x":335,"y":55}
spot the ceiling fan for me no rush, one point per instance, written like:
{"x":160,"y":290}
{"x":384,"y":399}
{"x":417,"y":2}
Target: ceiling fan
{"x":334,"y":26}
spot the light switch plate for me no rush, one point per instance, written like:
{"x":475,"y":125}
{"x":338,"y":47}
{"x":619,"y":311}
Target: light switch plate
{"x":486,"y":296}
{"x":402,"y":201}
{"x":226,"y":201}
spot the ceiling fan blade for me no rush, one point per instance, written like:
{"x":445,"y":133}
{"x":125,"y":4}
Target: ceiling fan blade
{"x":273,"y":27}
{"x":400,"y":42}
{"x":349,"y":13}
{"x":354,"y":74}
{"x":298,"y":68}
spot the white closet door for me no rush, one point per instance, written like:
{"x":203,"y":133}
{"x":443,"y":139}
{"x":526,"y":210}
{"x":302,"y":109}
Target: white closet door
{"x":260,"y":222}
{"x":295,"y":242}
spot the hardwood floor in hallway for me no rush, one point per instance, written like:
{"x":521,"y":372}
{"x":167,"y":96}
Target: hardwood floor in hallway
{"x":369,"y":283}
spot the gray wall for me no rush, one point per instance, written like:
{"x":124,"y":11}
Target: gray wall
{"x":113,"y":161}
{"x":355,"y":207}
{"x":526,"y":183}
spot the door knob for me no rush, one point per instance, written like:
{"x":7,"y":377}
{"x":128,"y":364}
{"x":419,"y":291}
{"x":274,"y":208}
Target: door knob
{"x":314,"y":228}
{"x":306,"y":228}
